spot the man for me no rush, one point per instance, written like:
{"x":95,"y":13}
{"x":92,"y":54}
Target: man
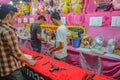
{"x":35,"y":31}
{"x":60,"y":49}
{"x":11,"y":57}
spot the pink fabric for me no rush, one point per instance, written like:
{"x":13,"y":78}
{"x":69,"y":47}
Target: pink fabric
{"x":92,"y":63}
{"x":4,"y":1}
{"x":106,"y":30}
{"x":109,"y":66}
{"x":89,"y":6}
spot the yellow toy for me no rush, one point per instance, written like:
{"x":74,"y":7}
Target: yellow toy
{"x":117,"y":50}
{"x":20,"y":9}
{"x":65,"y":5}
{"x":65,"y":8}
{"x":76,"y":6}
{"x":26,"y":9}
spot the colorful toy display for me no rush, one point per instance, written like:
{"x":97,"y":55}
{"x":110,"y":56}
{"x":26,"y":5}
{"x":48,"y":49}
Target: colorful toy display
{"x":117,"y":50}
{"x":26,"y":9}
{"x":20,"y":9}
{"x":66,"y":6}
{"x":86,"y":42}
{"x":111,"y":45}
{"x":116,"y":4}
{"x":76,"y":5}
{"x":103,"y":4}
{"x":97,"y":45}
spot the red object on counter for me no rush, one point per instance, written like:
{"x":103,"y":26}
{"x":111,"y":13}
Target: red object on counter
{"x":70,"y":73}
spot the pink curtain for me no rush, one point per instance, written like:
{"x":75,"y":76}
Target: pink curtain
{"x":4,"y":1}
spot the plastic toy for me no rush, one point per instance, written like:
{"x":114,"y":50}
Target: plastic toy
{"x":117,"y":50}
{"x":86,"y":42}
{"x":116,"y":4}
{"x":26,"y":9}
{"x":77,"y":6}
{"x":103,"y":4}
{"x":111,"y":45}
{"x":20,"y":9}
{"x":97,"y":45}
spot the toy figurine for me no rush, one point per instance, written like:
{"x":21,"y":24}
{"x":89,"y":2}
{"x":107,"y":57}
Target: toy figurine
{"x":111,"y":45}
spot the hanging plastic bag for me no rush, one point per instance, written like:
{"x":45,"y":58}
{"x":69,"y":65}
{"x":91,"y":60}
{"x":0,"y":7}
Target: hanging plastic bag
{"x":103,"y":4}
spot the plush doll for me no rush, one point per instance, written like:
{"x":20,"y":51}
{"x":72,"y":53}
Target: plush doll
{"x":66,"y":7}
{"x":111,"y":45}
{"x":97,"y":45}
{"x":86,"y":42}
{"x":116,"y":50}
{"x":116,"y":4}
{"x":77,"y":6}
{"x":26,"y":9}
{"x":103,"y":4}
{"x":69,"y":36}
{"x":20,"y":9}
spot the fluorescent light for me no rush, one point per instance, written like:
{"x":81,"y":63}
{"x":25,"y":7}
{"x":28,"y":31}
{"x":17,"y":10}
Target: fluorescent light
{"x":20,"y":1}
{"x":11,"y":2}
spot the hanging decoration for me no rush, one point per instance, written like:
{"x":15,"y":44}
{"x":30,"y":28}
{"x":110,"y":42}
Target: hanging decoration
{"x":26,"y":9}
{"x":103,"y":4}
{"x":76,"y":5}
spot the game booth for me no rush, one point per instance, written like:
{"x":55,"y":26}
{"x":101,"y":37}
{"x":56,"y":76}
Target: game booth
{"x":93,"y":39}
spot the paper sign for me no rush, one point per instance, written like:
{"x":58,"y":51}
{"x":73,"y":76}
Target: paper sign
{"x":31,"y":20}
{"x":63,"y":19}
{"x":19,"y":20}
{"x":115,"y":21}
{"x":25,"y":20}
{"x":95,"y":21}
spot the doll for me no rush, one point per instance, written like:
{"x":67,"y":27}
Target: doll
{"x":76,"y":6}
{"x":26,"y":9}
{"x":86,"y":42}
{"x":111,"y":45}
{"x":97,"y":45}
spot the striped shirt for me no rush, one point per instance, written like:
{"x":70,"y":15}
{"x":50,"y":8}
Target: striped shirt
{"x":9,"y":49}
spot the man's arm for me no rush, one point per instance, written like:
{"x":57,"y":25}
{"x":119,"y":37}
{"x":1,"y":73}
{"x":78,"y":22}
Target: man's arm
{"x":14,"y":47}
{"x":59,"y":47}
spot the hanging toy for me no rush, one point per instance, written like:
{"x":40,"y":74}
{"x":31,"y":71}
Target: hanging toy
{"x":103,"y":4}
{"x":76,"y":6}
{"x":34,"y":7}
{"x":20,"y":9}
{"x":66,"y":7}
{"x":26,"y":9}
{"x":116,"y":4}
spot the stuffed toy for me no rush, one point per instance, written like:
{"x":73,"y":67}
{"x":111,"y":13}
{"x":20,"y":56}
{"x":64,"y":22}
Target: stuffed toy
{"x":110,"y":46}
{"x":103,"y":4}
{"x":69,"y":36}
{"x":86,"y":42}
{"x":34,"y":7}
{"x":66,"y":7}
{"x":97,"y":45}
{"x":116,"y":4}
{"x":116,"y":50}
{"x":77,"y":6}
{"x":20,"y":9}
{"x":26,"y":9}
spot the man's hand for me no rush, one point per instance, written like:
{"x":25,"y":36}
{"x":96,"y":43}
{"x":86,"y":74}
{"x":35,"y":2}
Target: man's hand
{"x":31,"y":62}
{"x":52,"y":51}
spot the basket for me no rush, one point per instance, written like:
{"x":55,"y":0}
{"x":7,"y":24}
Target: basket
{"x":76,"y":42}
